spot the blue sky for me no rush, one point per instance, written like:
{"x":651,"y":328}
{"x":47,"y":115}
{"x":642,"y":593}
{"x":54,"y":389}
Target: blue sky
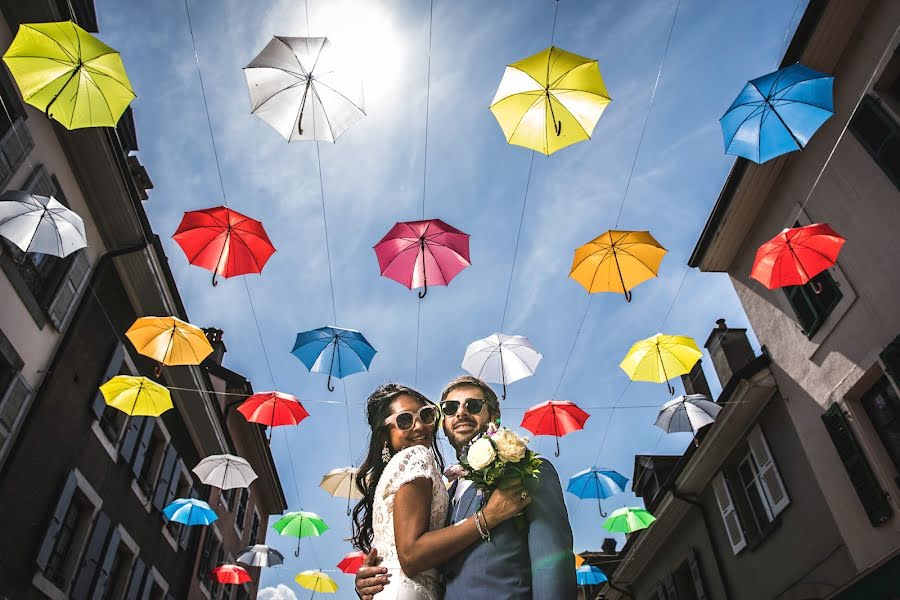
{"x":373,"y":177}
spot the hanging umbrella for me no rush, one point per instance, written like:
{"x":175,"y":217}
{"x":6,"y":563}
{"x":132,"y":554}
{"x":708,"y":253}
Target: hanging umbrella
{"x":230,"y":574}
{"x":687,"y":413}
{"x":501,"y":358}
{"x":299,"y":86}
{"x":190,"y":511}
{"x":597,"y":483}
{"x":628,"y":519}
{"x":778,"y":113}
{"x":69,"y":74}
{"x":225,"y":471}
{"x":300,"y":524}
{"x":589,"y":575}
{"x":224,"y":241}
{"x":416,"y":253}
{"x":660,"y":358}
{"x":260,"y":555}
{"x":136,"y":396}
{"x":273,"y":409}
{"x":317,"y":581}
{"x":351,"y":563}
{"x":617,"y":261}
{"x":333,"y":350}
{"x":341,"y":483}
{"x":550,"y":100}
{"x":554,"y":417}
{"x":169,"y":341}
{"x":40,"y":224}
{"x":796,"y":255}
{"x":579,"y":560}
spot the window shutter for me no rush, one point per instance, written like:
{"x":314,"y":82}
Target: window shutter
{"x":106,"y":566}
{"x":166,"y":477}
{"x":187,"y":533}
{"x":771,"y":478}
{"x":862,"y":478}
{"x":173,"y":483}
{"x":671,"y":593}
{"x":140,"y":451}
{"x":660,"y":592}
{"x":697,"y":575}
{"x":729,"y":514}
{"x":148,"y":585}
{"x":137,"y":578}
{"x":890,"y":359}
{"x":11,"y":405}
{"x":64,"y":301}
{"x":112,"y":369}
{"x":92,"y":557}
{"x":132,"y":433}
{"x":59,"y":513}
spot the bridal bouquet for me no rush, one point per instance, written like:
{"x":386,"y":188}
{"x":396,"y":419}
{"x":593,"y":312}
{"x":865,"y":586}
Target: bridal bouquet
{"x":498,"y":456}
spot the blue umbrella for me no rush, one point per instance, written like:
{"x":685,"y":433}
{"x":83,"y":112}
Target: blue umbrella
{"x":597,"y":483}
{"x":190,"y":511}
{"x":333,"y":350}
{"x":589,"y":575}
{"x":778,"y":113}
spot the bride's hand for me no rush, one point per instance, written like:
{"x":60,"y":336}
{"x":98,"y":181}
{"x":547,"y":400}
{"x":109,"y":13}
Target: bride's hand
{"x":505,"y":503}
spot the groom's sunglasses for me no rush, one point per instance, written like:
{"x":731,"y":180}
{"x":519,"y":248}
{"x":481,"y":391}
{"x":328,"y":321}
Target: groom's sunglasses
{"x":406,"y":419}
{"x":473,"y":406}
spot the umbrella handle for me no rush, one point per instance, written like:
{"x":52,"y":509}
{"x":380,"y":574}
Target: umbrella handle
{"x":671,"y":389}
{"x":330,"y":387}
{"x":558,"y":127}
{"x":348,"y":506}
{"x":297,"y":551}
{"x":600,"y":506}
{"x":74,"y":72}
{"x":424,"y":291}
{"x":627,"y":295}
{"x":214,"y":282}
{"x":817,"y":287}
{"x":157,"y":371}
{"x":557,"y":447}
{"x":504,"y":391}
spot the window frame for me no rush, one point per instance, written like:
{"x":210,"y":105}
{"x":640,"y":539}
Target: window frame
{"x":109,"y":445}
{"x":239,"y":521}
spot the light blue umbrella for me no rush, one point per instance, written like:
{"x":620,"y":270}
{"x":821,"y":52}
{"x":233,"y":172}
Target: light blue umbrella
{"x":778,"y":113}
{"x":338,"y":352}
{"x":589,"y":575}
{"x":597,"y":483}
{"x":190,"y":511}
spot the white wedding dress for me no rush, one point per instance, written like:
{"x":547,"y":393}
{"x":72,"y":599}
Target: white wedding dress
{"x":410,"y":463}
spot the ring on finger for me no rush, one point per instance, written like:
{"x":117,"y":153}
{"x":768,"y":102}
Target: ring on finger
{"x":524,"y":494}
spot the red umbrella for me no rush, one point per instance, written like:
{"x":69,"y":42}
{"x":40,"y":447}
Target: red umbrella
{"x":795,"y":256}
{"x":273,"y":409}
{"x":230,"y":574}
{"x":224,"y":241}
{"x":554,"y":417}
{"x":416,"y":253}
{"x":351,"y":563}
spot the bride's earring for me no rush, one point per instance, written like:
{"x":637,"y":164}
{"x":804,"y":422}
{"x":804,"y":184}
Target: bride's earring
{"x":385,"y":454}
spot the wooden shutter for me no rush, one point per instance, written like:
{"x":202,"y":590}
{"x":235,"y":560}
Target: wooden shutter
{"x":660,"y":592}
{"x":90,"y":562}
{"x":167,"y":474}
{"x":132,"y":434}
{"x":59,"y":514}
{"x":890,"y":360}
{"x":64,"y":302}
{"x":862,"y":478}
{"x":112,"y":369}
{"x":729,"y":514}
{"x":140,"y":451}
{"x":697,"y":576}
{"x":11,"y":404}
{"x":106,"y":566}
{"x":187,"y":533}
{"x":671,"y":592}
{"x":136,"y":580}
{"x":773,"y":486}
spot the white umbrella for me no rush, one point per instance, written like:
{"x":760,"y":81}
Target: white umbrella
{"x":40,"y":224}
{"x":225,"y":471}
{"x":687,"y":413}
{"x":299,"y":86}
{"x":341,"y":483}
{"x":501,"y":358}
{"x":260,"y":555}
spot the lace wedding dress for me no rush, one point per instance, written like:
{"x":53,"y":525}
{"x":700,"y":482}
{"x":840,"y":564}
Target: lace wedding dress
{"x":408,"y":464}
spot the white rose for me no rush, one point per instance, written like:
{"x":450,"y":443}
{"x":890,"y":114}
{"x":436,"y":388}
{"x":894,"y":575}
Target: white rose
{"x":510,"y":447}
{"x":481,"y":454}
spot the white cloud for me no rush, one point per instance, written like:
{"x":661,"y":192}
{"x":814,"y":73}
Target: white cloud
{"x":282,"y":592}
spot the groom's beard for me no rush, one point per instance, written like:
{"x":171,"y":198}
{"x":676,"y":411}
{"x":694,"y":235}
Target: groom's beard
{"x":459,"y":441}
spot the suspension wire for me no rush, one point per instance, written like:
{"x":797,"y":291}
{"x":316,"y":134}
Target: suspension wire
{"x":259,"y":331}
{"x":587,"y":308}
{"x":512,"y":269}
{"x":553,"y":30}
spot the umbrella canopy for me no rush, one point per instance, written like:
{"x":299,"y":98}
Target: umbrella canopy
{"x":597,"y":483}
{"x":273,"y":409}
{"x":589,"y":575}
{"x":628,"y":519}
{"x":302,"y":88}
{"x":260,"y":555}
{"x":501,"y":358}
{"x":190,"y":511}
{"x":40,"y":224}
{"x":554,"y":417}
{"x":317,"y":581}
{"x":300,"y":524}
{"x":778,"y":113}
{"x":341,"y":483}
{"x":224,"y":241}
{"x":416,"y":253}
{"x":230,"y":574}
{"x":225,"y":471}
{"x":136,"y":396}
{"x":65,"y":72}
{"x":550,"y":100}
{"x":687,"y":413}
{"x":660,"y":358}
{"x":617,"y":261}
{"x":351,"y":563}
{"x":796,"y":255}
{"x":169,"y":340}
{"x":579,"y":560}
{"x":333,"y":350}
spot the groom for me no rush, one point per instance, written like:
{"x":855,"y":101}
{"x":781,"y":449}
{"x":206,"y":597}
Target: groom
{"x":518,"y":563}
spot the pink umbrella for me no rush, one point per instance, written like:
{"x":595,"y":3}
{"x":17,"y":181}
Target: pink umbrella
{"x":416,"y":253}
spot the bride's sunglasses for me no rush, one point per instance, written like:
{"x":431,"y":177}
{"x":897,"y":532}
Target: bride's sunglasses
{"x":473,"y":406}
{"x":406,"y":420}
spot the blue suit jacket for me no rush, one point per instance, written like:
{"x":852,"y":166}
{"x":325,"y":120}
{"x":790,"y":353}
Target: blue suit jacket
{"x":533,"y":561}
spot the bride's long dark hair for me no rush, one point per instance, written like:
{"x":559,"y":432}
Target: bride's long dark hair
{"x":378,"y":408}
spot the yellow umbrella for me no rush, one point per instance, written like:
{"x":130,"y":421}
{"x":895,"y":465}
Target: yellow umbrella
{"x":317,"y":581}
{"x":169,"y":341}
{"x":62,"y":67}
{"x":617,"y":261}
{"x":341,"y":483}
{"x":136,"y":396}
{"x":550,"y":100}
{"x":660,"y":358}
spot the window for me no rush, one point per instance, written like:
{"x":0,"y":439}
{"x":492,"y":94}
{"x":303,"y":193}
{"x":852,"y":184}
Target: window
{"x":14,"y":392}
{"x":879,"y":134}
{"x":15,"y":141}
{"x":241,"y":514}
{"x":182,"y":489}
{"x":226,"y":497}
{"x":685,"y":583}
{"x":811,"y":308}
{"x":209,"y":558}
{"x":753,"y":492}
{"x":74,"y":526}
{"x":154,"y":455}
{"x":114,"y":584}
{"x":111,"y":420}
{"x":254,"y":529}
{"x":882,"y":405}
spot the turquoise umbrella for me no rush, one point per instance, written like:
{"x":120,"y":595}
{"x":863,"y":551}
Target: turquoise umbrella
{"x":589,"y":575}
{"x":333,"y":350}
{"x":597,"y":483}
{"x":190,"y":511}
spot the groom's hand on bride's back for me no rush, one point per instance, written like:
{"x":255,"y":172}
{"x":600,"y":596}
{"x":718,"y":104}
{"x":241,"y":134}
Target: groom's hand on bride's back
{"x":371,"y":579}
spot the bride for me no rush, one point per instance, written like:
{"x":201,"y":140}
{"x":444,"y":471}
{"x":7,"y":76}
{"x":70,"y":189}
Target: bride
{"x":403,"y":511}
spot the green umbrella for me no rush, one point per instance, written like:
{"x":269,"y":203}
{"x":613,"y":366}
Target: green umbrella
{"x":628,"y":519}
{"x":300,"y":524}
